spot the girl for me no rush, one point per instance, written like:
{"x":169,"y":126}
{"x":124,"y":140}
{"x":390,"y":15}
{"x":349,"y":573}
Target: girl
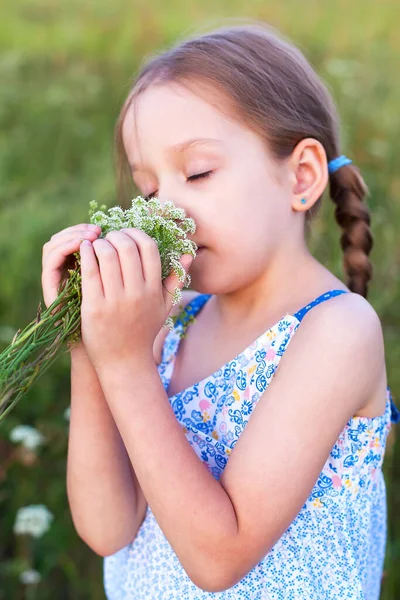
{"x":196,"y":467}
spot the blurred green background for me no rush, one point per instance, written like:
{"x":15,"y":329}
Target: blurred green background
{"x":65,"y":68}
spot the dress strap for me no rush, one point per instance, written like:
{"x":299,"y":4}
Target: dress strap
{"x":191,"y":309}
{"x":395,"y":412}
{"x":194,"y":306}
{"x":331,"y":294}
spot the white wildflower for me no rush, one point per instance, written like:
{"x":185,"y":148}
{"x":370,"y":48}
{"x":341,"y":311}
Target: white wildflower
{"x":67,"y":413}
{"x":166,"y":223}
{"x":33,"y":520}
{"x":29,"y":437}
{"x":169,"y":323}
{"x":30,"y":577}
{"x":177,"y":296}
{"x":34,"y":348}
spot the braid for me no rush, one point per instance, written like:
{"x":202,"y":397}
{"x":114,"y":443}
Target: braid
{"x":347,"y":191}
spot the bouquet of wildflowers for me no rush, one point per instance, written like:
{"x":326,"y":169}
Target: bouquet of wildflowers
{"x":33,"y":349}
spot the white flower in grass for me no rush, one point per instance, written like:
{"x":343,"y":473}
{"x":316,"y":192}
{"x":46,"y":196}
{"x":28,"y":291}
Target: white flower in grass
{"x":30,"y":577}
{"x":28,"y":436}
{"x":33,"y":520}
{"x":67,"y":413}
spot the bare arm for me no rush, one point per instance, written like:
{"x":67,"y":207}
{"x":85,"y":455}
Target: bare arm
{"x":106,"y":501}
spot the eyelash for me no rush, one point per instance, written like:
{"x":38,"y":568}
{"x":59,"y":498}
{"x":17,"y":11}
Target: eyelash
{"x":192,"y":178}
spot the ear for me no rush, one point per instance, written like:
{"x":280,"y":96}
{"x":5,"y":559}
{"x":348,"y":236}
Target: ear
{"x":309,"y":169}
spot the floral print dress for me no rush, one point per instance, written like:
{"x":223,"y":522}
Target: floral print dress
{"x":335,"y":547}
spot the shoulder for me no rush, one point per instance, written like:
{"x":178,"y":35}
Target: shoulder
{"x":348,"y":319}
{"x":342,"y":338}
{"x":348,"y":316}
{"x":187,"y":296}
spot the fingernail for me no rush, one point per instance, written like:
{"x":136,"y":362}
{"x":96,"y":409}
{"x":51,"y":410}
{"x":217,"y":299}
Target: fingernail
{"x":86,"y":243}
{"x":93,"y":227}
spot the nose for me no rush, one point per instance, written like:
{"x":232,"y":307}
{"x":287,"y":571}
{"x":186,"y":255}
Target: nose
{"x":171,"y":191}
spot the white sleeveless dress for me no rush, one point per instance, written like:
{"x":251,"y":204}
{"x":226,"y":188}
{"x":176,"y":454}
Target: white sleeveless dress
{"x":335,"y":547}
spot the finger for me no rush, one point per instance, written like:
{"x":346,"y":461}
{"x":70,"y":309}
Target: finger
{"x":75,"y":228}
{"x":53,"y":261}
{"x":110,"y":268}
{"x":52,"y":272}
{"x":129,"y":258}
{"x":92,"y":286}
{"x":173,"y":281}
{"x":149,"y":256}
{"x":64,"y":238}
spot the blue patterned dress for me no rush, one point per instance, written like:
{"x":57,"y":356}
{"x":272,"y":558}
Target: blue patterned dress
{"x":335,"y":547}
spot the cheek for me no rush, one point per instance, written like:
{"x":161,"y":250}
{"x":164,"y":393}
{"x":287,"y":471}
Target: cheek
{"x":244,"y":216}
{"x":245,"y":243}
{"x":251,"y":222}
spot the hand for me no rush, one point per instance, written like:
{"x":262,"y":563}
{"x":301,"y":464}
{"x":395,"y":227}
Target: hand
{"x":55,"y":256}
{"x":124,"y":301}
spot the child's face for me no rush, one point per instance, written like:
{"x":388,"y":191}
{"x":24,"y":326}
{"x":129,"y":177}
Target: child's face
{"x":242,"y":209}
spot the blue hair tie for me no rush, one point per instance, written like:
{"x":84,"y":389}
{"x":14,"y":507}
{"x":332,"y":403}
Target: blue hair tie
{"x":338,"y":162}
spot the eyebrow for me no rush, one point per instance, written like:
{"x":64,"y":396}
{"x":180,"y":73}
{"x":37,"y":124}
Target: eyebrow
{"x":182,"y":146}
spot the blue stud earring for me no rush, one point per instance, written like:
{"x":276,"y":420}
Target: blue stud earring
{"x":303,"y":200}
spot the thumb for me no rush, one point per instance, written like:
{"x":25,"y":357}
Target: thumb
{"x":186,"y":260}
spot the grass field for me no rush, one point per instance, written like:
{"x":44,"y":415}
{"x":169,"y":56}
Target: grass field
{"x":65,"y":68}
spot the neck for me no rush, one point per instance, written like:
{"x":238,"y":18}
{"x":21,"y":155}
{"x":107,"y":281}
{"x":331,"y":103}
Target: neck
{"x":291,"y":280}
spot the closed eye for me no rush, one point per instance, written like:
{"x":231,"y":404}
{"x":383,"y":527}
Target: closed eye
{"x":199,"y":176}
{"x":191,"y":179}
